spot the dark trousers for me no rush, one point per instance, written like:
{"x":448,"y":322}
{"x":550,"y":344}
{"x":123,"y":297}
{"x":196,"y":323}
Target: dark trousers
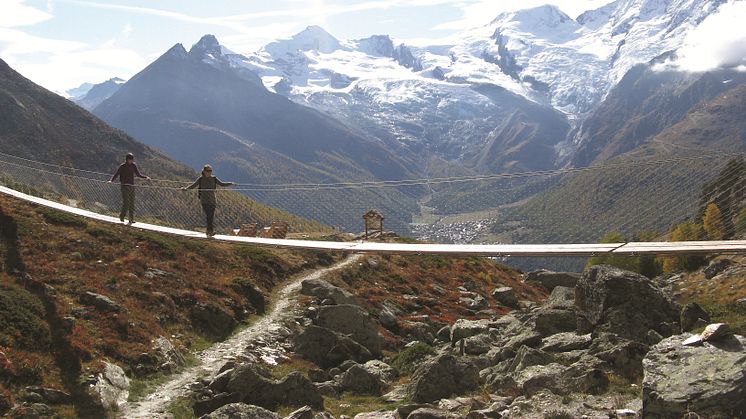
{"x":210,"y":214}
{"x":128,"y":201}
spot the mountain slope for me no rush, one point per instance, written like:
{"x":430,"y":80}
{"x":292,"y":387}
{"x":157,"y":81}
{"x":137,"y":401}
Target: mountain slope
{"x":98,"y":93}
{"x":644,"y":103}
{"x":198,"y":108}
{"x":629,"y":197}
{"x":42,"y":126}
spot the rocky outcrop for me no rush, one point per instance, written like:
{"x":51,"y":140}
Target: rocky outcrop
{"x":358,"y":380}
{"x":690,"y":315}
{"x":624,"y":303}
{"x":709,"y":380}
{"x":212,"y":320}
{"x":323,"y":290}
{"x":352,"y":321}
{"x":327,"y":348}
{"x":110,"y":387}
{"x":254,"y":388}
{"x":505,"y":296}
{"x":101,"y":302}
{"x":241,"y":411}
{"x":443,"y":376}
{"x":549,"y":280}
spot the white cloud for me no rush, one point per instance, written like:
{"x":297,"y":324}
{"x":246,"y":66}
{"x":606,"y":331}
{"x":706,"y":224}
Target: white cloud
{"x":718,"y":42}
{"x":16,"y":13}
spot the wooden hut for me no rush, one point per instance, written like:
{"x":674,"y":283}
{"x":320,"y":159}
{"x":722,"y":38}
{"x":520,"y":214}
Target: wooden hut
{"x":373,"y":221}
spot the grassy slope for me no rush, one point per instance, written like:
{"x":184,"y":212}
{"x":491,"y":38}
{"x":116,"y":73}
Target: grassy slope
{"x":66,"y":256}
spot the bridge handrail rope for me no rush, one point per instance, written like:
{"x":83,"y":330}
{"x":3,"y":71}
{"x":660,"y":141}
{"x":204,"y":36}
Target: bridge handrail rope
{"x":85,"y":185}
{"x":411,"y":182}
{"x":579,"y":249}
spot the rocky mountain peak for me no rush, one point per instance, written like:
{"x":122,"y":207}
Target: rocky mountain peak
{"x":377,"y":45}
{"x":313,"y":38}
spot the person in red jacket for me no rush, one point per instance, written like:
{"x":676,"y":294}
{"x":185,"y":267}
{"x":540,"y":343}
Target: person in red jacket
{"x":126,"y":174}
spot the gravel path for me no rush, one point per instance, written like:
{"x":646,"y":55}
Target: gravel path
{"x":261,"y":339}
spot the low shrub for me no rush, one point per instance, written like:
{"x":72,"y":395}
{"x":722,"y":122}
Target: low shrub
{"x":407,"y":361}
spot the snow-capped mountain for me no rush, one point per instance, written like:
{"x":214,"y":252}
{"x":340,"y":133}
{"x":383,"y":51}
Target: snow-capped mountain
{"x":433,"y":98}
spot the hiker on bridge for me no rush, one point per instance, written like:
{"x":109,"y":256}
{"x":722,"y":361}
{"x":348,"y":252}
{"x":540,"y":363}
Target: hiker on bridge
{"x":206,"y":186}
{"x":126,"y":174}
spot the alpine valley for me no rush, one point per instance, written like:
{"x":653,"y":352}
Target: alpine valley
{"x":531,"y":90}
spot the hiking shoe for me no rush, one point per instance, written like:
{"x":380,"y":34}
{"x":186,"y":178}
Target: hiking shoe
{"x":121,"y":218}
{"x":130,"y":223}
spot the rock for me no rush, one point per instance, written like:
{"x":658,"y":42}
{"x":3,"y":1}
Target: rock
{"x":99,"y":301}
{"x":382,"y":370}
{"x":252,"y":294}
{"x":463,"y":328}
{"x":204,"y":406}
{"x":241,"y":411}
{"x":537,"y":377}
{"x":561,"y":298}
{"x":323,"y":415}
{"x":695,"y":340}
{"x":715,"y":331}
{"x":110,"y":387}
{"x":358,"y":380}
{"x":526,"y":357}
{"x":708,"y":380}
{"x":564,"y":342}
{"x":550,"y":321}
{"x":689,"y":316}
{"x":526,"y":337}
{"x":622,"y":302}
{"x":211,"y":320}
{"x":50,"y":395}
{"x":653,"y":337}
{"x":717,"y":266}
{"x":431,"y":413}
{"x":329,"y":388}
{"x":477,"y":303}
{"x":443,"y":376}
{"x":444,"y":334}
{"x":622,"y":356}
{"x":318,"y":375}
{"x":32,"y":411}
{"x":323,"y":290}
{"x":169,"y":358}
{"x":377,"y":415}
{"x":505,"y":296}
{"x":293,"y":390}
{"x":352,"y":321}
{"x":305,"y":412}
{"x":404,"y":411}
{"x":478,"y":344}
{"x":418,"y":331}
{"x":549,"y":280}
{"x":327,"y":348}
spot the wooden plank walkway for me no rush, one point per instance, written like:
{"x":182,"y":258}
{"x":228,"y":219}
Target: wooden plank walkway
{"x":516,"y":250}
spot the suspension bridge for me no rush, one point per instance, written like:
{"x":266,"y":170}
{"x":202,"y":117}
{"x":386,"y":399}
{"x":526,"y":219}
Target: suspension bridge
{"x":162,"y":206}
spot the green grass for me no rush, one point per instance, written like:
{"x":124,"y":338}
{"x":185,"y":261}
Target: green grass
{"x":62,"y":218}
{"x":22,"y":319}
{"x":732,"y":314}
{"x":407,"y":361}
{"x":181,"y":408}
{"x":140,"y":387}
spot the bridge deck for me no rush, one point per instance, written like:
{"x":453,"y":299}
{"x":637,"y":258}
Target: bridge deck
{"x":545,"y":250}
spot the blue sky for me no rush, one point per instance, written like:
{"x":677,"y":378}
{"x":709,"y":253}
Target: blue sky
{"x":60,"y":44}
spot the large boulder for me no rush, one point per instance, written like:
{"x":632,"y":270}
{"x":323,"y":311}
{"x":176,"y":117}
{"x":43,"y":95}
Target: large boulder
{"x":464,"y":328}
{"x":709,"y":380}
{"x":549,"y":280}
{"x":564,"y":342}
{"x":690,"y":315}
{"x":293,"y":390}
{"x":325,"y":291}
{"x":110,"y":387}
{"x":212,"y":320}
{"x":622,"y":302}
{"x":352,"y":321}
{"x":505,"y":296}
{"x":443,"y":376}
{"x":327,"y":348}
{"x":241,"y":411}
{"x":358,"y":380}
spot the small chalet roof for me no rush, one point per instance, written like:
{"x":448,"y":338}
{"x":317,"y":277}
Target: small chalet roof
{"x":373,"y":214}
